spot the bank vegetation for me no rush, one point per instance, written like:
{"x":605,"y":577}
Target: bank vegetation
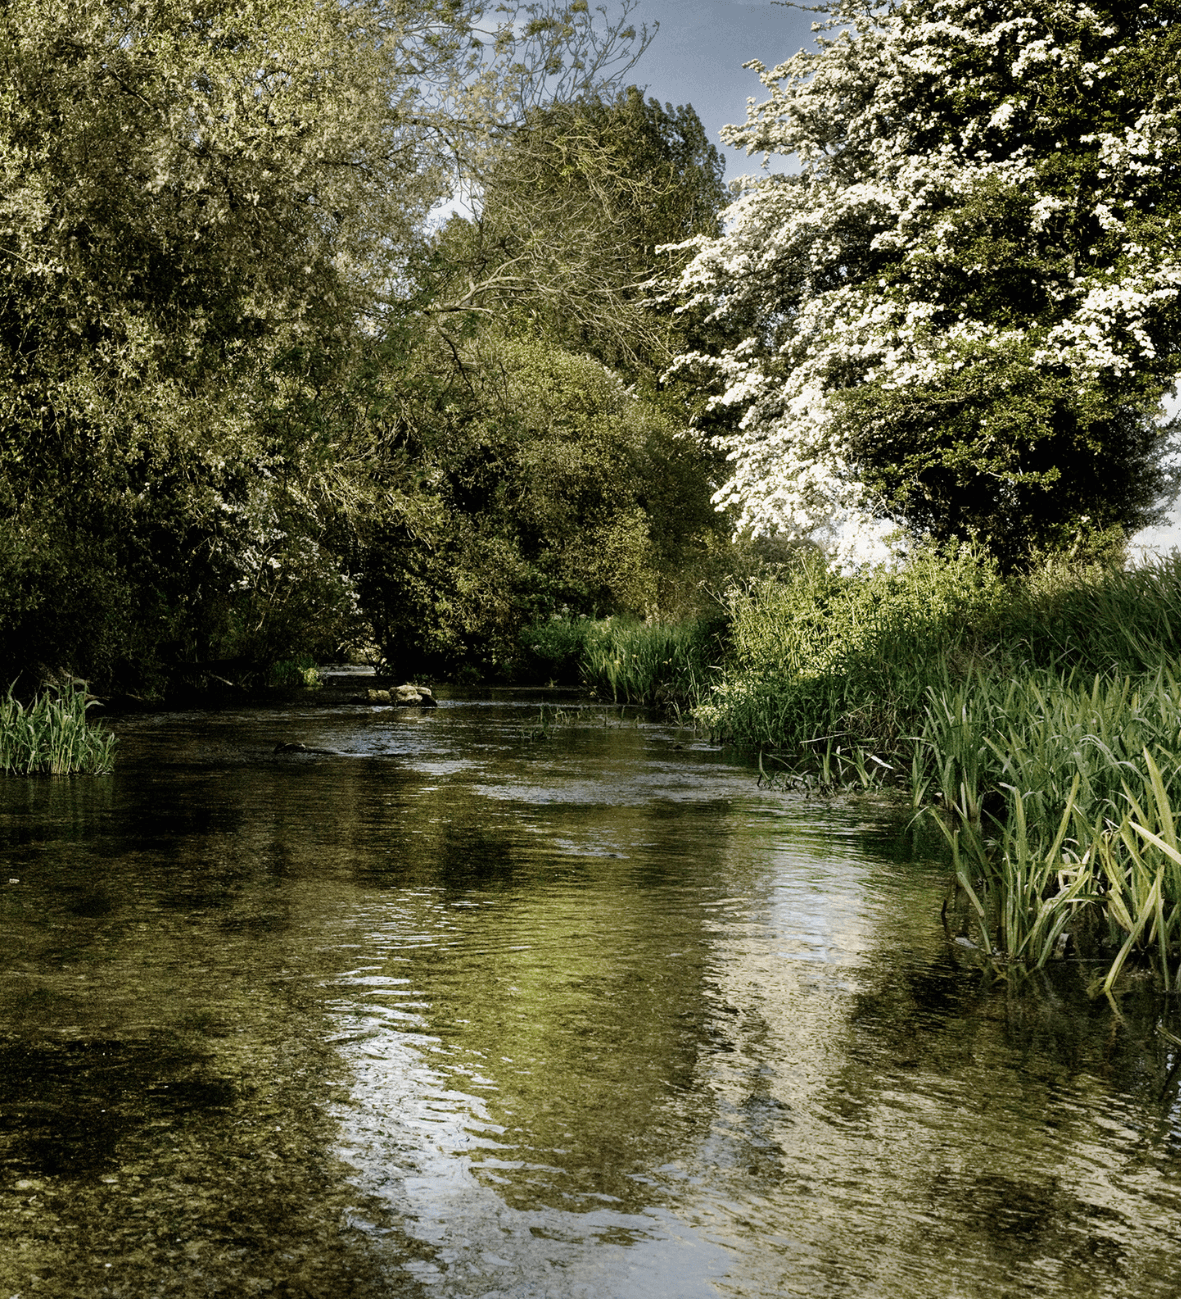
{"x":1035,"y":719}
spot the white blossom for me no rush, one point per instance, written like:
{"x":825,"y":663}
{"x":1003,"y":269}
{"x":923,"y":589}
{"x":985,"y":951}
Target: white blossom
{"x":852,"y":273}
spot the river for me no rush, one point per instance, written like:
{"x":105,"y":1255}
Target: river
{"x":480,"y":1006}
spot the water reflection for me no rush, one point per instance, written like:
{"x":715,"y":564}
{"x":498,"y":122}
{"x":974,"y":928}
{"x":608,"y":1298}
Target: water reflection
{"x":463,"y":1014}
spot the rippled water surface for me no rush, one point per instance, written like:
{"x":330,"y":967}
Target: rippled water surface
{"x":460,"y":1011}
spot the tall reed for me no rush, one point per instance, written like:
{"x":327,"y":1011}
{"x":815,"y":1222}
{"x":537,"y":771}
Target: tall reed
{"x":1057,"y":797}
{"x":653,"y":663}
{"x":1094,"y":619}
{"x":1038,"y":717}
{"x":52,"y":736}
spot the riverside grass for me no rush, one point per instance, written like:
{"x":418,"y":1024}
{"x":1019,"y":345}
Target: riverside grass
{"x":52,"y":736}
{"x":1081,"y":841}
{"x":1037,"y":720}
{"x":652,"y":663}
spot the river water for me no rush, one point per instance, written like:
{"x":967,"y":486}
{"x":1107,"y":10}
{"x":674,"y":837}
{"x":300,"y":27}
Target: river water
{"x":472,"y":1011}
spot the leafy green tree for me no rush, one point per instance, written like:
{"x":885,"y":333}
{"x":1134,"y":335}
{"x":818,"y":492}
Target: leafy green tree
{"x":570,"y":213}
{"x":962,"y":313}
{"x":203,"y":211}
{"x":555,"y":489}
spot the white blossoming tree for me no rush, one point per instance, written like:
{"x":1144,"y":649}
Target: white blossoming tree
{"x":963,"y":311}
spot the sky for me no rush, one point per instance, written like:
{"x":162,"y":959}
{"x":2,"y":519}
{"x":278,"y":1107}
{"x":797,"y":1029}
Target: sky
{"x":696,"y":57}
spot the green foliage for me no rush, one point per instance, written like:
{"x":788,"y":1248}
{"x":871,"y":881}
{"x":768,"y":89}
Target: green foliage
{"x":1003,"y":453}
{"x":1094,"y":862}
{"x":1040,"y":733}
{"x":1037,"y":718}
{"x":552,"y":650}
{"x":204,"y":211}
{"x":552,"y":487}
{"x":187,"y":199}
{"x":51,"y":736}
{"x":298,"y":672}
{"x":65,"y":598}
{"x":1095,"y":618}
{"x":820,"y":654}
{"x":570,"y":215}
{"x":820,"y":657}
{"x":654,"y":663}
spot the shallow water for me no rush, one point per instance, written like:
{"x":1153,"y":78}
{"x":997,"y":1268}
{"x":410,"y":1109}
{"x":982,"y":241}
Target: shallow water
{"x":462,"y":1012}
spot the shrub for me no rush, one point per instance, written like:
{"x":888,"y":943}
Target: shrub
{"x":552,"y":650}
{"x":819,"y":654}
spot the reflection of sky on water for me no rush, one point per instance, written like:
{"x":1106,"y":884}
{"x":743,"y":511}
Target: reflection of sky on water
{"x":416,"y":1122}
{"x":412,"y":1144}
{"x":605,"y":793}
{"x":438,"y":1122}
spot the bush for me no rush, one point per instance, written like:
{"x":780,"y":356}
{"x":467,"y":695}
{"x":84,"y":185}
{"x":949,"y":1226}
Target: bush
{"x":819,"y":654}
{"x":552,"y":651}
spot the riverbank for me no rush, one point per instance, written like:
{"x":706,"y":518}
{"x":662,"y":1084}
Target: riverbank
{"x":1036,"y":720}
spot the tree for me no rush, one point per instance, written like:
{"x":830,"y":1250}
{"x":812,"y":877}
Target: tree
{"x":554,"y":475}
{"x":204,"y":209}
{"x":962,"y":313}
{"x":570,"y":212}
{"x":553,"y":487}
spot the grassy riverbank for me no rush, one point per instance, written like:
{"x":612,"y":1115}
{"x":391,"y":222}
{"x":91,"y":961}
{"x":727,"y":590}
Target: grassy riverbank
{"x":1036,"y":719}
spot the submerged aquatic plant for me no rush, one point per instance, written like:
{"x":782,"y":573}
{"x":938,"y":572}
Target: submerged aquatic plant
{"x":52,"y":736}
{"x":548,"y":720}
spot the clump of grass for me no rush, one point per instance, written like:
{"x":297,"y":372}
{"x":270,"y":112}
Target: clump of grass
{"x":1094,"y":619}
{"x":52,"y":736}
{"x":1057,"y":798}
{"x":654,"y":663}
{"x":984,"y":738}
{"x":1107,"y":883}
{"x":297,"y":673}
